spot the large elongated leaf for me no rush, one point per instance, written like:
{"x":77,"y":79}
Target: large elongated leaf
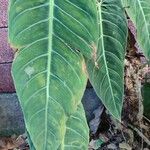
{"x":77,"y":129}
{"x":48,"y":70}
{"x":139,"y":12}
{"x":75,"y":125}
{"x":106,"y":73}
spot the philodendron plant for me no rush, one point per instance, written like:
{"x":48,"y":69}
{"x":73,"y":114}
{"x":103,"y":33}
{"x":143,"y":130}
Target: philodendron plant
{"x":60,"y":44}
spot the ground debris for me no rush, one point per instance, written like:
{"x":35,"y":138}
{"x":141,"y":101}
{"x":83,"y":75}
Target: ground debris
{"x":122,"y":137}
{"x":14,"y":143}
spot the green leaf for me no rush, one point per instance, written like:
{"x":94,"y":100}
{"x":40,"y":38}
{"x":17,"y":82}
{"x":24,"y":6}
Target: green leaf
{"x":106,"y":72}
{"x":48,"y":71}
{"x":75,"y":125}
{"x":30,"y":142}
{"x":76,"y":18}
{"x":77,"y":128}
{"x":139,"y":13}
{"x":146,"y":101}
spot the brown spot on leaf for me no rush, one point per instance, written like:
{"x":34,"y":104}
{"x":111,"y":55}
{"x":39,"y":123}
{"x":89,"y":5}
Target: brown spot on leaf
{"x":96,"y":65}
{"x":84,"y":69}
{"x":14,"y":48}
{"x":94,"y":55}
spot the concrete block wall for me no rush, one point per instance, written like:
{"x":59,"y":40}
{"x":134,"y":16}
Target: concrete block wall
{"x":11,"y":118}
{"x":6,"y":53}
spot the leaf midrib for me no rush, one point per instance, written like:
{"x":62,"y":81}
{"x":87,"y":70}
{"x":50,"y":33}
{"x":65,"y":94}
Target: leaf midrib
{"x":51,"y":16}
{"x":103,"y":52}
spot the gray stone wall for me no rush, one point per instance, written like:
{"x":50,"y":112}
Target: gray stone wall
{"x":11,"y":116}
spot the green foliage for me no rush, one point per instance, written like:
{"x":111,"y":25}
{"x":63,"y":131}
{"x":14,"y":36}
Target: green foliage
{"x":48,"y":71}
{"x":60,"y":44}
{"x":106,"y":72}
{"x":139,"y":12}
{"x":146,"y":97}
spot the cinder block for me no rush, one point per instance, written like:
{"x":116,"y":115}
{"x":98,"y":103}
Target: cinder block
{"x":6,"y":53}
{"x":11,"y":117}
{"x":6,"y":82}
{"x":3,"y":13}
